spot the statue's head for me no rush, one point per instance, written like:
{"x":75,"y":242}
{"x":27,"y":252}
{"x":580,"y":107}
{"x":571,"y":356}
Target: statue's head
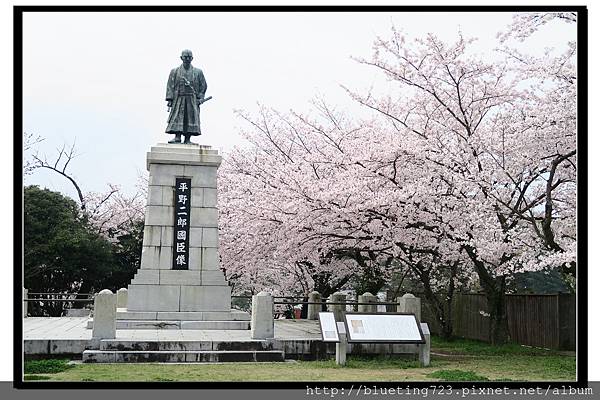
{"x":186,"y":56}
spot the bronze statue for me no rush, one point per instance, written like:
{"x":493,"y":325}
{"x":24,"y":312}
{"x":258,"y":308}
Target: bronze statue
{"x":185,"y":92}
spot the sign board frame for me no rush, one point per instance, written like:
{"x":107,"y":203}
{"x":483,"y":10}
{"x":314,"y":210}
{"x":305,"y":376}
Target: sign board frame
{"x":351,"y":340}
{"x":321,"y":327}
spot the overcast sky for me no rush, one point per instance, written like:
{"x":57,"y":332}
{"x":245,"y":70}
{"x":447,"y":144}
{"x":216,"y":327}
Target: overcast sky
{"x":99,"y":78}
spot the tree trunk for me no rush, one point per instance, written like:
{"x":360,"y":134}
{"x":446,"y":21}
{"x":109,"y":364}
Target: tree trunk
{"x":496,"y":300}
{"x":448,"y":326}
{"x":438,"y":310}
{"x":304,"y":309}
{"x":442,"y":309}
{"x":85,"y":288}
{"x":495,"y":293}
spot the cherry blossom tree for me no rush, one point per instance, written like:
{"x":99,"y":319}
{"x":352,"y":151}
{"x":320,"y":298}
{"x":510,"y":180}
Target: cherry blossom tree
{"x":497,"y":141}
{"x":526,"y":24}
{"x":114,"y":212}
{"x":465,"y":174}
{"x":265,"y":195}
{"x":551,"y":117}
{"x":111,"y":212}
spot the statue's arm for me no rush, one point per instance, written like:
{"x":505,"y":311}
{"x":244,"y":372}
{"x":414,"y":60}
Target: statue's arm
{"x":202,"y":86}
{"x":171,"y":87}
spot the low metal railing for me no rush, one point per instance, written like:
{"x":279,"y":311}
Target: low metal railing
{"x":48,"y":304}
{"x":285,"y":306}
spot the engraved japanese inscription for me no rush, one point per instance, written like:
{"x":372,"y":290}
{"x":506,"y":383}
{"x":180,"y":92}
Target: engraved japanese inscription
{"x":181,"y":231}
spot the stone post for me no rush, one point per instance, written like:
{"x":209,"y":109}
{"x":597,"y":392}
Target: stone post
{"x":122,"y":298}
{"x":410,"y":304}
{"x":105,"y":315}
{"x":341,"y":349}
{"x":314,"y":309}
{"x":262,"y":323}
{"x":25,"y":303}
{"x":425,"y":349}
{"x":338,"y":309}
{"x":367,"y":298}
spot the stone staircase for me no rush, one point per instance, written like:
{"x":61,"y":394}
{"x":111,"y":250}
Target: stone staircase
{"x":205,"y":320}
{"x":179,"y":351}
{"x":174,"y":324}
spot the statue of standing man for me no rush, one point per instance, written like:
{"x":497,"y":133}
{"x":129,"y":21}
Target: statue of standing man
{"x":185,"y":92}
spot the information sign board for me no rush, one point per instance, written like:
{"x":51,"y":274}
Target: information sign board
{"x":329,"y":332}
{"x":383,"y":328}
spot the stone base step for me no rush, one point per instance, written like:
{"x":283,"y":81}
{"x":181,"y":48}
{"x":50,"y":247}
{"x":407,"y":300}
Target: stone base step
{"x":130,"y":356}
{"x":198,"y":325}
{"x":189,"y":345}
{"x":232,"y":315}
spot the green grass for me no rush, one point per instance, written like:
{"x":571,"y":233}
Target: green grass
{"x":474,"y":347}
{"x":161,"y":379}
{"x":456,"y":375}
{"x":366,"y":362}
{"x":36,"y":378}
{"x":49,"y":366}
{"x":496,"y":368}
{"x":456,"y":360}
{"x":227,"y":372}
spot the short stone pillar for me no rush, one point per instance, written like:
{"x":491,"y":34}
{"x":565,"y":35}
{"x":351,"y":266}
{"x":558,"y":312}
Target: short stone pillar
{"x":425,"y":349}
{"x":410,"y":304}
{"x":338,"y":309}
{"x":367,"y":298}
{"x":262,"y":323}
{"x":122,"y":298}
{"x":25,"y":303}
{"x":341,"y":348}
{"x":105,"y":315}
{"x":314,"y":309}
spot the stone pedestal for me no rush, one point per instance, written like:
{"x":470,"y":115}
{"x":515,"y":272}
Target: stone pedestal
{"x":189,"y":298}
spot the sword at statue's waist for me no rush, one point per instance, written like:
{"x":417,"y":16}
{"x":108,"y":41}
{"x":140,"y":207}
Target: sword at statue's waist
{"x":199,"y":103}
{"x":204,"y":100}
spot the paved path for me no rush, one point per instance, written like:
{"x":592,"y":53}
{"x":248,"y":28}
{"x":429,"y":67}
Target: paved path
{"x":74,"y":328}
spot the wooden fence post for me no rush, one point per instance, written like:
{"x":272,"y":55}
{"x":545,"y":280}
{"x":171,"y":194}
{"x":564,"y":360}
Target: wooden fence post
{"x":566,"y":321}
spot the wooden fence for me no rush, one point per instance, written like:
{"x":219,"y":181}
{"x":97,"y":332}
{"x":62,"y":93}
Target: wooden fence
{"x":535,"y":320}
